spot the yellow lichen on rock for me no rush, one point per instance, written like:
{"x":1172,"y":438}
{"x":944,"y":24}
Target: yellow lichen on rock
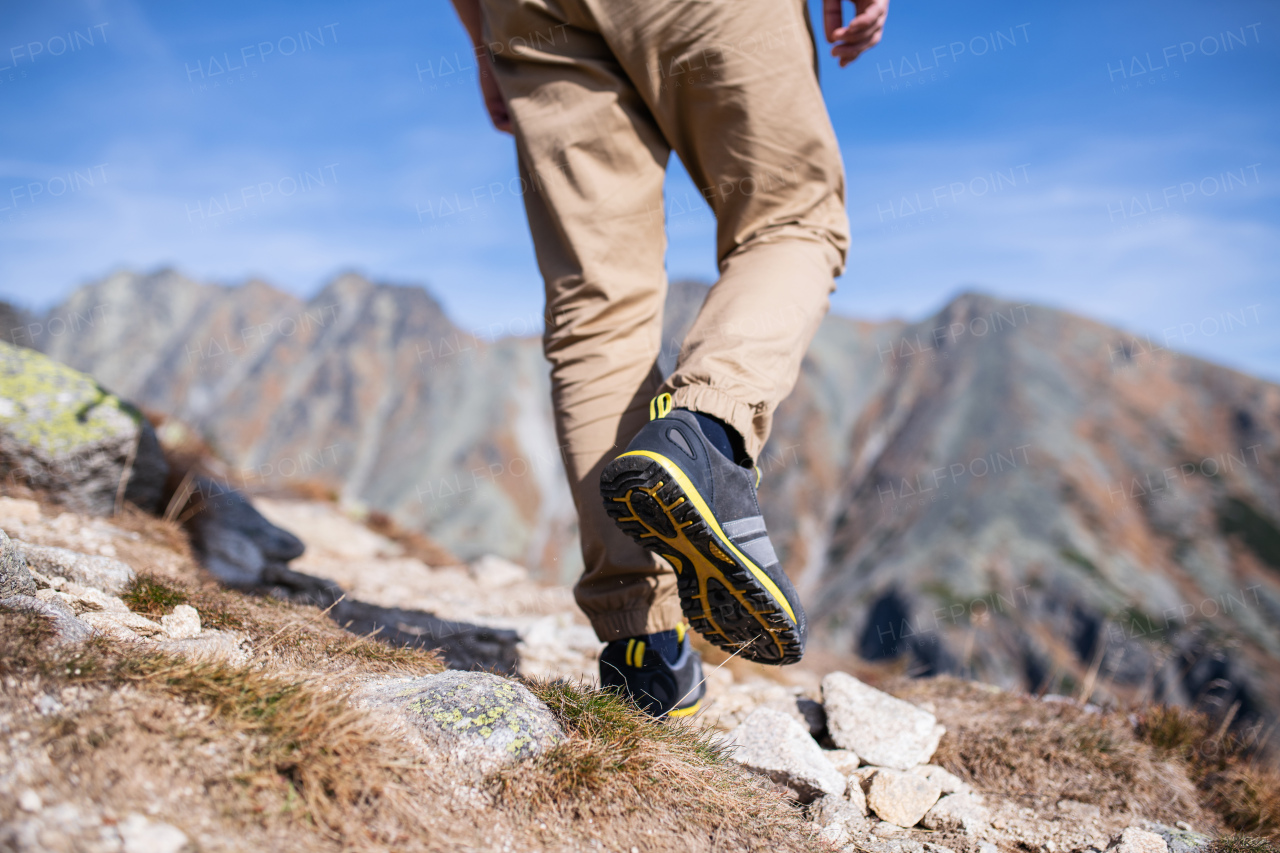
{"x":55,"y":408}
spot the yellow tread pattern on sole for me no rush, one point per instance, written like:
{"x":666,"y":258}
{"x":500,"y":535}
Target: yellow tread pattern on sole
{"x":704,"y":510}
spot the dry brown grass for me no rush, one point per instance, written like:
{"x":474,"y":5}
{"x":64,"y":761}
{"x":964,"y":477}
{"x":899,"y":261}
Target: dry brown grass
{"x":269,"y":753}
{"x":273,"y":755}
{"x":1232,"y":843}
{"x":287,"y":761}
{"x":415,"y":544}
{"x":1226,"y":768}
{"x":155,"y":530}
{"x":623,"y":779}
{"x":313,"y":490}
{"x":1037,"y":752}
{"x":292,"y":635}
{"x":307,"y":742}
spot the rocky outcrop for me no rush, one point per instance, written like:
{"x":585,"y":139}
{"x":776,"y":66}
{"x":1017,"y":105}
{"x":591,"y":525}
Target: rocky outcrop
{"x":77,"y":595}
{"x":1180,"y":840}
{"x":67,"y":629}
{"x":775,"y":745}
{"x":838,"y":818}
{"x":476,"y":718}
{"x":91,"y":570}
{"x":894,"y":740}
{"x":881,"y":729}
{"x":64,"y":435}
{"x":947,"y":781}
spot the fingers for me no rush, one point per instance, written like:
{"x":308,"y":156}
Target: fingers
{"x":832,"y":18}
{"x":870,"y":17}
{"x":863,"y":32}
{"x":847,"y":52}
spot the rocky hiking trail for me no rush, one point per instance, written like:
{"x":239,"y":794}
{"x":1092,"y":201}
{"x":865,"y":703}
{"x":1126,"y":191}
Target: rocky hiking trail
{"x":149,"y":709}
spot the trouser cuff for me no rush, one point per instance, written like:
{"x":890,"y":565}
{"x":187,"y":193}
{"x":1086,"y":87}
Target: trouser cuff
{"x":619,"y":624}
{"x":711,"y":401}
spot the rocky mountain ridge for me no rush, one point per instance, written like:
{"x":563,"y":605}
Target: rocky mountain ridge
{"x":1002,"y":490}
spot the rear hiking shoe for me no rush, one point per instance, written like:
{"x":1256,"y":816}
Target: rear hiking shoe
{"x":679,"y":497}
{"x":660,"y":672}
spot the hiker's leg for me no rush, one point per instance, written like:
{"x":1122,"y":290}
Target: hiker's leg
{"x":733,"y":88}
{"x":593,"y":161}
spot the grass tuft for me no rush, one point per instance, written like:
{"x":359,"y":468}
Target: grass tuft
{"x":27,"y":645}
{"x":153,"y":598}
{"x":1232,"y":843}
{"x":409,"y":660}
{"x":674,"y":777}
{"x":308,"y":743}
{"x":1226,"y":769}
{"x":1175,"y":731}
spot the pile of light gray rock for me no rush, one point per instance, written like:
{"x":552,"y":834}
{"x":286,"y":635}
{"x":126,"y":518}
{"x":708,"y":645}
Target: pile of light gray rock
{"x":877,"y":780}
{"x":80,"y":595}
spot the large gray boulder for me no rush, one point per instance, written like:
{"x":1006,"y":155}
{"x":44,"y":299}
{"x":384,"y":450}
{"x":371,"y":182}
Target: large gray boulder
{"x":881,"y":729}
{"x":61,"y":433}
{"x":776,"y":745}
{"x":104,"y":573}
{"x":15,"y":577}
{"x":476,"y":718}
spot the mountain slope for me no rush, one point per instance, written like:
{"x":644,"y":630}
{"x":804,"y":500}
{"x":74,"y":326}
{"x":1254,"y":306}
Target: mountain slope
{"x":1046,"y":504}
{"x":1002,"y":490}
{"x":367,"y":390}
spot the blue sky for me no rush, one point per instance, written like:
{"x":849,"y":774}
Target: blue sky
{"x":1118,"y":160}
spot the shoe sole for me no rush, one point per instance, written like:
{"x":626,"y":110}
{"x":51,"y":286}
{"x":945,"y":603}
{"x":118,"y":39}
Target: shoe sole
{"x":685,"y":712}
{"x":726,"y":597}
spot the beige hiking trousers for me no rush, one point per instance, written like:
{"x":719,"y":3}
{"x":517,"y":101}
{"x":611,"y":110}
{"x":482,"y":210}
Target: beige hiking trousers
{"x":600,"y":92}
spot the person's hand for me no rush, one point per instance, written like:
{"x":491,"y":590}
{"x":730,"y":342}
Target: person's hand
{"x":861,"y":34}
{"x":493,"y":100}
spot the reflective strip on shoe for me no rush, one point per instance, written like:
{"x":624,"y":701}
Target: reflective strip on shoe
{"x":760,"y":550}
{"x":743,"y":528}
{"x":750,"y":535}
